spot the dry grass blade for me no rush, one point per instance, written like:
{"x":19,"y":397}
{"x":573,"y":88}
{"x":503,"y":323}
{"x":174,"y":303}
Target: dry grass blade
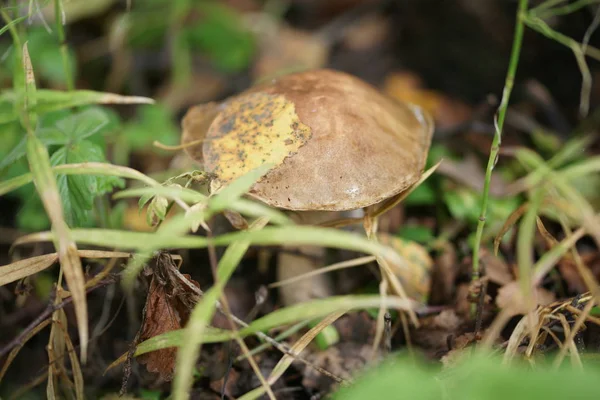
{"x":548,"y":260}
{"x":20,"y":269}
{"x":29,"y":266}
{"x":45,"y":183}
{"x":55,"y":348}
{"x":509,"y":223}
{"x":295,"y":350}
{"x":15,"y":351}
{"x":333,"y":267}
{"x":516,"y":337}
{"x":569,"y":340}
{"x":75,"y":367}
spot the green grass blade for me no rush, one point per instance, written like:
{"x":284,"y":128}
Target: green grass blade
{"x":289,"y":235}
{"x":243,"y":206}
{"x":89,"y":168}
{"x":237,"y":188}
{"x":45,"y":183}
{"x":53,"y":100}
{"x":202,"y":314}
{"x":297,"y":313}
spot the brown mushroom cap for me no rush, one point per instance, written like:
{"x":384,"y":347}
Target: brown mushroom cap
{"x":337,"y":142}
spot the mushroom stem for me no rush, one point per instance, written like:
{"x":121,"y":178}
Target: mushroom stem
{"x":290,"y":265}
{"x":299,"y":260}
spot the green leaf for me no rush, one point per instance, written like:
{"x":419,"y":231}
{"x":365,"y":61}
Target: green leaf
{"x":416,"y":233}
{"x":11,"y":23}
{"x":78,"y":192}
{"x":48,"y":137}
{"x":32,"y":216}
{"x":421,"y":196}
{"x":221,"y":34}
{"x":463,"y":204}
{"x":83,"y":124}
{"x":153,"y":122}
{"x":69,"y":129}
{"x":478,"y":377}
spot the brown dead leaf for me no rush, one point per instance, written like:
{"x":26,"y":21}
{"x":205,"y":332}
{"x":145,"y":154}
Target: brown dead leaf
{"x":457,"y":352}
{"x":356,"y":327}
{"x":470,"y":173}
{"x":167,"y":308}
{"x":202,"y":87}
{"x":496,"y":270}
{"x":462,"y":299}
{"x":407,"y":86}
{"x":435,"y":330}
{"x":510,"y":297}
{"x":569,"y":272}
{"x":367,"y":33}
{"x":444,"y":273}
{"x":343,"y":360}
{"x":284,"y":48}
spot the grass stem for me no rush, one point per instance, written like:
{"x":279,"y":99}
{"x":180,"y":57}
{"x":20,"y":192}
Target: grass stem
{"x":499,"y":124}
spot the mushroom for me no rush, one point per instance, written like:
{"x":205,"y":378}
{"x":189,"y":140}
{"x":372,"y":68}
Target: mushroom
{"x":337,"y":143}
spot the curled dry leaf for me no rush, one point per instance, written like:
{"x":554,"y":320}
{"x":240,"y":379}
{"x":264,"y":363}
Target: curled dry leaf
{"x":167,"y":308}
{"x":510,"y":297}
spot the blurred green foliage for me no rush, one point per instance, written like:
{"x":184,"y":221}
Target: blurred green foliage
{"x":480,"y":376}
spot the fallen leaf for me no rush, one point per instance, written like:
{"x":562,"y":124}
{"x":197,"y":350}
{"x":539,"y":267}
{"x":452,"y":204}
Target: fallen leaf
{"x":201,"y":88}
{"x":570,"y":273}
{"x":434,"y":332}
{"x":510,"y":297}
{"x":470,"y":173}
{"x":167,"y":308}
{"x":367,"y":33}
{"x":284,"y":49}
{"x":496,"y":270}
{"x":444,"y":273}
{"x":407,"y":86}
{"x":356,"y":327}
{"x":458,"y":349}
{"x":343,"y":360}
